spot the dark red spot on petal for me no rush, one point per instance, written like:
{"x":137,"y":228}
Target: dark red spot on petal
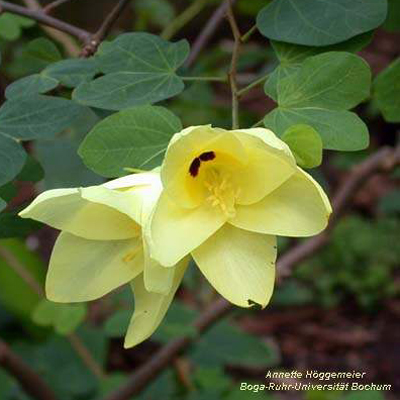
{"x":207,"y":156}
{"x":194,"y":167}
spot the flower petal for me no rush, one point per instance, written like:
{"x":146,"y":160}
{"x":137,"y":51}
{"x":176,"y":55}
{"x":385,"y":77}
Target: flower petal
{"x":270,"y":163}
{"x":156,"y":278}
{"x":239,"y":264}
{"x":66,"y":210}
{"x":187,"y":145}
{"x":299,"y":207}
{"x":83,"y":270}
{"x":150,"y":308}
{"x":176,"y":231}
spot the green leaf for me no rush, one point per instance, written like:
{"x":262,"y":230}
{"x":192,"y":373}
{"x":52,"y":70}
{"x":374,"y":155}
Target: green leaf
{"x":290,"y":57}
{"x":43,"y":50}
{"x":334,"y":80}
{"x":158,"y":12}
{"x":12,"y":158}
{"x":72,"y":72}
{"x":32,"y":171}
{"x":12,"y":225}
{"x":319,"y":22}
{"x":305,"y":144}
{"x":387,"y":92}
{"x":64,"y":318}
{"x":339,"y":130}
{"x":16,"y":295}
{"x":9,"y":28}
{"x":37,"y":116}
{"x":390,"y":203}
{"x":33,"y":84}
{"x":392,"y":23}
{"x":139,"y":139}
{"x":214,"y":349}
{"x":117,"y":324}
{"x":58,"y":156}
{"x":3,"y":204}
{"x":140,"y":69}
{"x":178,"y":322}
{"x":318,"y":93}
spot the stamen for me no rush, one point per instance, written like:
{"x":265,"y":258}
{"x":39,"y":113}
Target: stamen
{"x":131,"y":255}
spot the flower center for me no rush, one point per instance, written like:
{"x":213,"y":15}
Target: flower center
{"x":221,"y":192}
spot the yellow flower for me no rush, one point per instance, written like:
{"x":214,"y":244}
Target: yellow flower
{"x":227,"y":194}
{"x":101,"y":248}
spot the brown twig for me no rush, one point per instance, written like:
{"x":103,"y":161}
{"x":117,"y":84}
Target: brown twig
{"x":29,"y":380}
{"x":41,"y":17}
{"x":69,"y":44}
{"x":51,"y":6}
{"x":207,"y":32}
{"x":384,"y":159}
{"x":233,"y":69}
{"x":95,"y":40}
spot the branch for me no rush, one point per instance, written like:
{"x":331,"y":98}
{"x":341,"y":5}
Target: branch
{"x":207,"y":32}
{"x":41,"y":17}
{"x":385,"y":159}
{"x":51,"y":6}
{"x":31,"y":382}
{"x":99,"y":36}
{"x":233,"y":69}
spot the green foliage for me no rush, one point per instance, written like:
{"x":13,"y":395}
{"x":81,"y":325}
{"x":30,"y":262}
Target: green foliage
{"x":11,"y":225}
{"x":64,"y":318}
{"x":390,"y":203}
{"x":31,"y":172}
{"x":16,"y":295}
{"x":319,"y":23}
{"x":3,"y":204}
{"x":32,"y":84}
{"x":290,"y":57}
{"x":58,"y":155}
{"x":387,"y":92}
{"x":117,"y":324}
{"x":139,"y":139}
{"x":72,"y":72}
{"x":214,"y":349}
{"x":157,"y":12}
{"x":11,"y":26}
{"x":392,"y":22}
{"x":12,"y":158}
{"x":139,"y":69}
{"x":359,"y":261}
{"x":319,"y":93}
{"x":305,"y":144}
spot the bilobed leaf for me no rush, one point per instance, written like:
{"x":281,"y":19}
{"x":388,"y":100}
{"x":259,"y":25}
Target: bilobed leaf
{"x":392,"y":23}
{"x":319,"y":22}
{"x":37,"y":116}
{"x":12,"y":226}
{"x":318,"y":93}
{"x":136,"y":137}
{"x":33,"y":84}
{"x":387,"y":92}
{"x":339,"y":130}
{"x":305,"y":144}
{"x":290,"y":57}
{"x":334,"y":80}
{"x":72,"y":72}
{"x":140,"y":69}
{"x":12,"y":158}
